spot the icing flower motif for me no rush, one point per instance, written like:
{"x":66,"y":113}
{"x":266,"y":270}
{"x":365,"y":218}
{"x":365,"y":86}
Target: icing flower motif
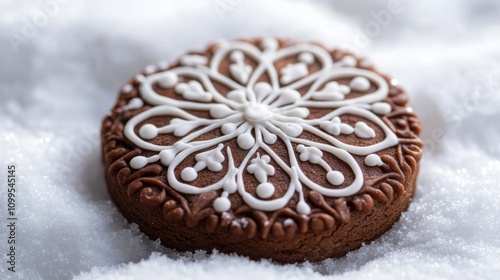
{"x":332,"y":91}
{"x":261,"y":168}
{"x":258,"y":112}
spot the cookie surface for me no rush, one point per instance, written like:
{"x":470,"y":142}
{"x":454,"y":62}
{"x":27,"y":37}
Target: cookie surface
{"x":267,"y":148}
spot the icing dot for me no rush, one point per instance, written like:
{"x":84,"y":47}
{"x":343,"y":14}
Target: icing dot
{"x":291,"y":129}
{"x":373,"y":160}
{"x":237,"y":95}
{"x":138,"y":162}
{"x":222,"y":204}
{"x":360,"y":84}
{"x":246,"y":141}
{"x":362,"y":130}
{"x":220,"y":111}
{"x":228,"y":128}
{"x":306,"y":57}
{"x":168,"y":80}
{"x":262,"y":90}
{"x":381,"y":108}
{"x":300,"y":112}
{"x":193,"y":59}
{"x":127,"y":88}
{"x":349,"y":60}
{"x":134,"y":103}
{"x":148,"y":131}
{"x":303,"y":208}
{"x":287,"y":96}
{"x":236,"y":56}
{"x":269,"y":43}
{"x":335,"y":178}
{"x":189,"y":174}
{"x":162,"y":65}
{"x":257,"y":113}
{"x":269,"y":138}
{"x":150,"y":69}
{"x":265,"y":190}
{"x":140,"y":78}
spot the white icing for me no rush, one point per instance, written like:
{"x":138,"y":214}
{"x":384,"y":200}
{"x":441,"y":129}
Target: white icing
{"x":269,"y":44}
{"x":127,"y":88}
{"x":189,"y":174}
{"x":315,"y":156}
{"x":193,"y":91}
{"x":306,"y":57}
{"x":265,"y":190}
{"x":140,"y":78}
{"x":237,"y":95}
{"x":292,"y":72}
{"x":134,"y":103}
{"x":303,"y":208}
{"x":381,"y":108}
{"x":360,"y":84}
{"x":168,"y":80}
{"x":222,"y":204}
{"x":373,"y":160}
{"x":138,"y":162}
{"x":150,"y":69}
{"x":148,"y":131}
{"x":335,"y":178}
{"x":193,"y":60}
{"x":362,"y":130}
{"x":256,"y":115}
{"x":261,"y":168}
{"x":336,"y":127}
{"x":246,"y":140}
{"x":348,"y":60}
{"x":239,"y":70}
{"x":162,"y":65}
{"x":333,"y":91}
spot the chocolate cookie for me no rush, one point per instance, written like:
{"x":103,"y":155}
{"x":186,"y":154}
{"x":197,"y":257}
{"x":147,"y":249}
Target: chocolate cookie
{"x":267,"y":148}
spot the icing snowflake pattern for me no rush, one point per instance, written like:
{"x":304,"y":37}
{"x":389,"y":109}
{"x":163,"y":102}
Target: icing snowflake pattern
{"x":257,"y":114}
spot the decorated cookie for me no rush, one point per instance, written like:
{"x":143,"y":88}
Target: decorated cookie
{"x":266,"y":148}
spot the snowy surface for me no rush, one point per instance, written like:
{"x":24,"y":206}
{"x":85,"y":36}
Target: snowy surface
{"x":61,"y":70}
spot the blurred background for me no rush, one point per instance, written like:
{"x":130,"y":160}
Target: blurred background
{"x":62,"y":63}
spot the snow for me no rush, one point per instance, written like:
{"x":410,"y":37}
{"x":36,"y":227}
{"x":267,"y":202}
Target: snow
{"x":61,"y":71}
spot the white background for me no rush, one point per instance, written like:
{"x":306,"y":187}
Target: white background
{"x":62,"y":64}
